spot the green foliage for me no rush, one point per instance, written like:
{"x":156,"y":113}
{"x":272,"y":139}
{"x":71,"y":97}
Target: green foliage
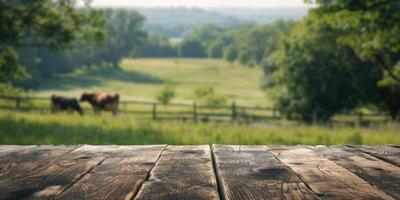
{"x":6,"y":89}
{"x":158,"y":46}
{"x":10,"y":69}
{"x":230,"y":54}
{"x":317,"y":77}
{"x":372,"y":29}
{"x":389,"y":92}
{"x":166,"y":94}
{"x":208,"y":97}
{"x":53,"y":24}
{"x":338,"y":58}
{"x":124,"y":37}
{"x":254,"y":44}
{"x":124,"y":34}
{"x":215,"y":50}
{"x":192,"y":49}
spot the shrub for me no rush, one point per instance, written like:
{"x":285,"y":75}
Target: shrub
{"x":166,"y":94}
{"x":208,"y":97}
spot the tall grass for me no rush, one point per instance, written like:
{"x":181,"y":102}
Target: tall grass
{"x":36,"y":128}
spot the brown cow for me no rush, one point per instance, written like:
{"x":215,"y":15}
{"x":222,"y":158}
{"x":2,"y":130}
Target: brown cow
{"x":102,"y":101}
{"x":61,"y":103}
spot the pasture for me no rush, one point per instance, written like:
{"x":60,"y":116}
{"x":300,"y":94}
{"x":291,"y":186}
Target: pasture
{"x":44,"y":128}
{"x":142,"y":79}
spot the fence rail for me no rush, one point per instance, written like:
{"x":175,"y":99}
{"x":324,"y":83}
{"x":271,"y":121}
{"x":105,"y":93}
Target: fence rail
{"x":157,"y":111}
{"x":179,"y":111}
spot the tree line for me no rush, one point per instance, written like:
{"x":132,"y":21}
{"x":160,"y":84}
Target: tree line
{"x":343,"y":56}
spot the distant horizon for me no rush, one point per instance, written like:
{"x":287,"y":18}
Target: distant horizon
{"x":205,"y":4}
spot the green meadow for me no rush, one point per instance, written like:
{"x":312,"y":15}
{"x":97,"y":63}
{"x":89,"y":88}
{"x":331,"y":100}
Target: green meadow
{"x":42,"y":128}
{"x":142,"y":79}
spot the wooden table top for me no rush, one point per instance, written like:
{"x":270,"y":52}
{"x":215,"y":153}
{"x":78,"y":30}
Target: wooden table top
{"x":199,"y":172}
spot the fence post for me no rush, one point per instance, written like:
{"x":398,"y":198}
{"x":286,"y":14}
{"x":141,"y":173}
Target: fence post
{"x":234,"y":114}
{"x":274,"y":113}
{"x":154,"y":113}
{"x":194,"y":112}
{"x":17,"y":103}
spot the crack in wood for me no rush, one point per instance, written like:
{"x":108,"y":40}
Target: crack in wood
{"x":149,"y":173}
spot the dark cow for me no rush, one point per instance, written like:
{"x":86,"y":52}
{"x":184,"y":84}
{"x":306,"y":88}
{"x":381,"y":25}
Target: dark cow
{"x":102,"y":101}
{"x":61,"y":103}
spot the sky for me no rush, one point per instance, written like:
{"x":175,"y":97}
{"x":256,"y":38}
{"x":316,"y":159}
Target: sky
{"x":199,"y":3}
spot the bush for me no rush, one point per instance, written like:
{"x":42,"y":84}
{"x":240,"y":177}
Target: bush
{"x":230,"y":54}
{"x":7,"y":89}
{"x":208,"y":97}
{"x":166,"y":94}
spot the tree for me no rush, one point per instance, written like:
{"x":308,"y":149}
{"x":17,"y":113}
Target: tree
{"x":230,"y":54}
{"x":166,"y":94}
{"x":191,"y":48}
{"x":316,"y":77}
{"x":215,"y":49}
{"x":372,"y":29}
{"x":46,"y":23}
{"x":255,"y":43}
{"x":124,"y":35}
{"x":158,"y":46}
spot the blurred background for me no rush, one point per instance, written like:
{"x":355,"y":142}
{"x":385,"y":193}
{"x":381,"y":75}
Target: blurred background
{"x":199,"y":72}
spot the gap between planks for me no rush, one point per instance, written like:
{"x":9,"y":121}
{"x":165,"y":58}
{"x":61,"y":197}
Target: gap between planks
{"x":148,"y":173}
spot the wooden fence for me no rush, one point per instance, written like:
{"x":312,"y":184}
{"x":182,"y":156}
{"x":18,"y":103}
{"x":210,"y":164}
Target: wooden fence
{"x":157,"y":111}
{"x":187,"y":112}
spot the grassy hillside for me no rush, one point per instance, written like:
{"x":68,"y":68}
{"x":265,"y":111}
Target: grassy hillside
{"x":142,"y":79}
{"x":40,"y":128}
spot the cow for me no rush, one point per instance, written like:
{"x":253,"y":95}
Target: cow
{"x":102,"y":101}
{"x":61,"y":103}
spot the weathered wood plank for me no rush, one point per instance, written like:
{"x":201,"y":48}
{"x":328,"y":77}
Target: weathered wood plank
{"x":325,"y":177}
{"x":5,"y":149}
{"x":381,"y":174}
{"x":251,"y":172}
{"x":20,"y":163}
{"x":49,"y":181}
{"x":386,"y":153}
{"x":119,"y":176}
{"x":182,"y":172}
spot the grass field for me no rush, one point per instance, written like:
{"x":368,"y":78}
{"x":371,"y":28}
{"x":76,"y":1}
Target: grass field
{"x":41,"y":128}
{"x":142,"y":79}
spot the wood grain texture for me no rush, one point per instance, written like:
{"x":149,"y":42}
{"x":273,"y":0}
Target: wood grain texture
{"x":182,"y":172}
{"x":5,"y":149}
{"x":119,"y":176}
{"x":251,"y":172}
{"x":51,"y":180}
{"x":325,"y":177}
{"x":20,"y":163}
{"x":387,"y":153}
{"x":381,"y":174}
{"x":195,"y":172}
